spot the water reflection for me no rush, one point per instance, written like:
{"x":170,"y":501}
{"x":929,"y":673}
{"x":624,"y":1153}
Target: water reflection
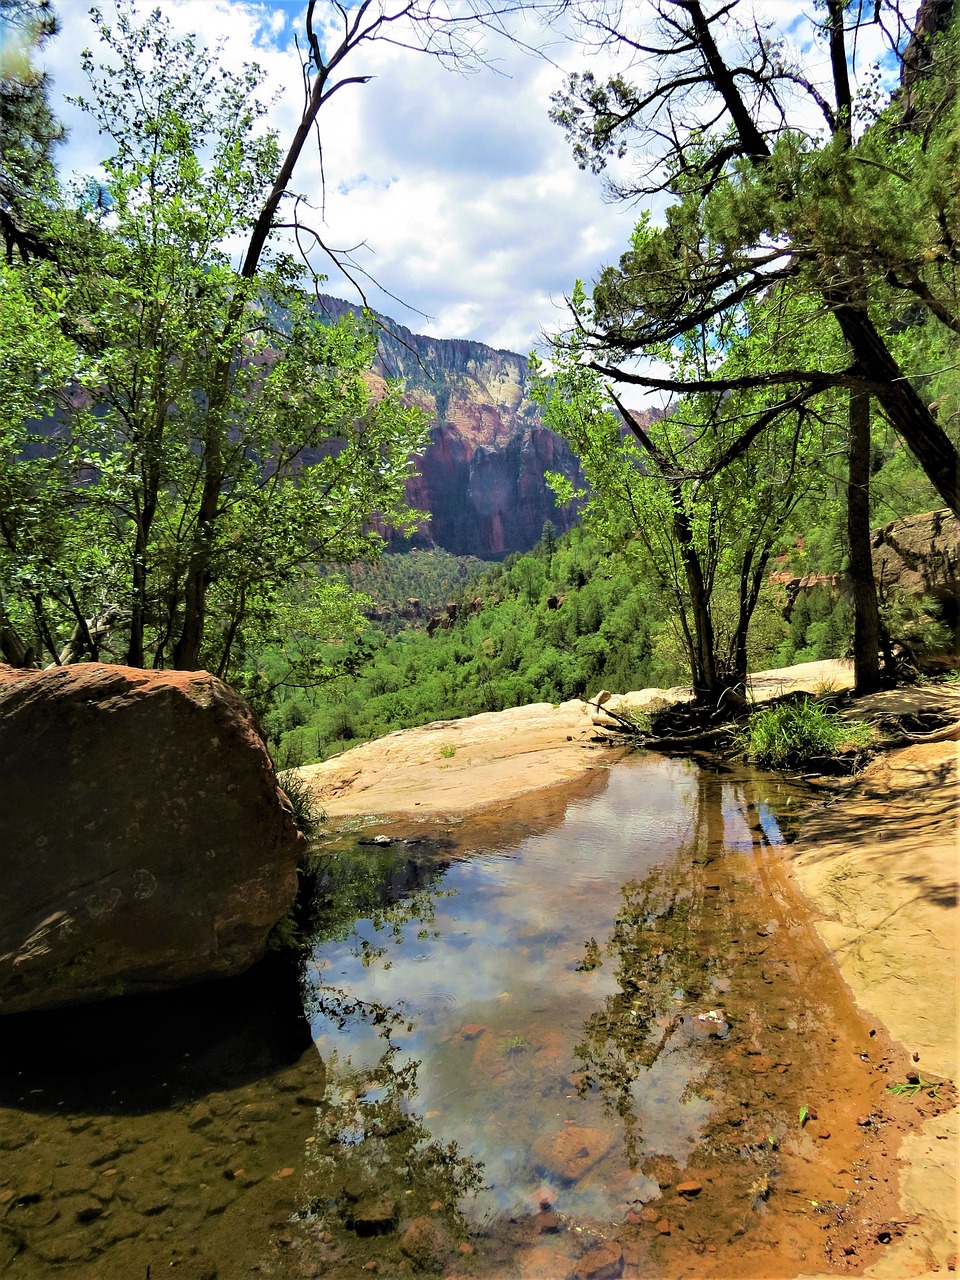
{"x":666,"y":983}
{"x":590,"y":1018}
{"x":556,"y":1062}
{"x":374,"y":1163}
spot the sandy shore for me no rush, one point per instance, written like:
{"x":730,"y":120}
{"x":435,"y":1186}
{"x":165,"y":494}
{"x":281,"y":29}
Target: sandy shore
{"x":880,"y":865}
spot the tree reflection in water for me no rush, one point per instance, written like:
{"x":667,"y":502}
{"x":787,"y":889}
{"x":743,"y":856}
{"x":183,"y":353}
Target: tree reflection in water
{"x":373,"y":1149}
{"x":373,"y":1162}
{"x":668,"y":947}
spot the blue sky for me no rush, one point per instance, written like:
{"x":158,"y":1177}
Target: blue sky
{"x":461,"y":193}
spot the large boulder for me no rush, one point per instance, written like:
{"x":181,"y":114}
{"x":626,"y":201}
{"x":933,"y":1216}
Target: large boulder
{"x":143,"y":840}
{"x":920,"y":556}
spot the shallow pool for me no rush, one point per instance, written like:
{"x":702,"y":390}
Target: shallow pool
{"x":620,"y":1033}
{"x":603,"y":1042}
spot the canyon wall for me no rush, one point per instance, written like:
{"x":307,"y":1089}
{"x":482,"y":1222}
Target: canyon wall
{"x":481,"y":476}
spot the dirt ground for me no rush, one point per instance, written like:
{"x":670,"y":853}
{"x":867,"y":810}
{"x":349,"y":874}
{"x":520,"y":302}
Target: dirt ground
{"x":879,"y":863}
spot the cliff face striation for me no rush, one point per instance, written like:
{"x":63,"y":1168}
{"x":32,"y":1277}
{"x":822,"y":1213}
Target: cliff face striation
{"x":481,"y":476}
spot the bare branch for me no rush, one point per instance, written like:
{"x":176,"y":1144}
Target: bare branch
{"x":814,"y":380}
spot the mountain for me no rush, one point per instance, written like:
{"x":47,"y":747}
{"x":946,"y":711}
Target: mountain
{"x":481,"y":476}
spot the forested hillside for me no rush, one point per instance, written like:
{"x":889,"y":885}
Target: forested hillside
{"x":406,"y":590}
{"x":563,"y":621}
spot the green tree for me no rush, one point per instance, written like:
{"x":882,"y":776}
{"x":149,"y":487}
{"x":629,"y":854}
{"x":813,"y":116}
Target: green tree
{"x":38,"y":532}
{"x":706,"y":493}
{"x":28,"y":128}
{"x":863,"y":218}
{"x":225,"y":426}
{"x":215,"y":388}
{"x":548,"y":541}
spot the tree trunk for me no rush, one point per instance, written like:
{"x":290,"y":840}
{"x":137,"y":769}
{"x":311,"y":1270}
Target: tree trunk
{"x":866,"y":625}
{"x":907,"y":413}
{"x":186,"y":651}
{"x":752,"y":575}
{"x":135,"y":654}
{"x":14,"y":651}
{"x":703,"y":660}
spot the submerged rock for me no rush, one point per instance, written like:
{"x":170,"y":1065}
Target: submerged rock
{"x":374,"y":1217}
{"x":568,"y":1154}
{"x":146,"y":843}
{"x":605,"y":1262}
{"x":427,"y":1244}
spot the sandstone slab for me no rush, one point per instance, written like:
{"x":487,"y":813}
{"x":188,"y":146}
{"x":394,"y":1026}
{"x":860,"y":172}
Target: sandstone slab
{"x":145,"y":841}
{"x":920,"y":556}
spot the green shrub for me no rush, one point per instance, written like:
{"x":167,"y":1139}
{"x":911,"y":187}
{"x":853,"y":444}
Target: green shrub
{"x":787,"y":735}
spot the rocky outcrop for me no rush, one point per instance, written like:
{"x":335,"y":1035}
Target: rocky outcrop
{"x":920,"y":556}
{"x":145,"y":842}
{"x":793,"y":586}
{"x":915,"y":556}
{"x":412,"y":610}
{"x":444,"y":621}
{"x":482,"y":474}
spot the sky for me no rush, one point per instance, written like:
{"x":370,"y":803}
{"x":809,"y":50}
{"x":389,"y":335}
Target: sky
{"x":460,"y":197}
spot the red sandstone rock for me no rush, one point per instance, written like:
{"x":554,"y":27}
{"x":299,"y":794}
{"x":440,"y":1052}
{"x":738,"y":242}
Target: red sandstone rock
{"x":145,"y":841}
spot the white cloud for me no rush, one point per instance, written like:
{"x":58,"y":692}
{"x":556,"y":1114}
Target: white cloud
{"x":461,"y":192}
{"x":463,"y":196}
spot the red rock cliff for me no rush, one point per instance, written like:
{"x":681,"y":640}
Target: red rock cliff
{"x":482,"y":475}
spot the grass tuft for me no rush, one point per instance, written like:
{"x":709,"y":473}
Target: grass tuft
{"x":308,"y":814}
{"x":794,"y":732}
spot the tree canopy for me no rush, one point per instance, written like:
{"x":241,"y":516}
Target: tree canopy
{"x":852,"y":207}
{"x":213,"y":440}
{"x":28,"y":127}
{"x":707,"y":492}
